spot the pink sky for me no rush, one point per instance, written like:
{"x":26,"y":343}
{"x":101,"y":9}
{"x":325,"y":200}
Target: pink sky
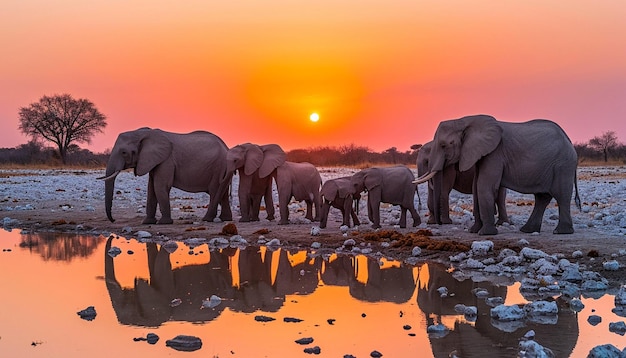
{"x":380,"y":74}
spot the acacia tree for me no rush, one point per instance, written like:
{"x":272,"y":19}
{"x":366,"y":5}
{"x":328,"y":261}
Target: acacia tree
{"x":605,"y":143}
{"x":62,"y":120}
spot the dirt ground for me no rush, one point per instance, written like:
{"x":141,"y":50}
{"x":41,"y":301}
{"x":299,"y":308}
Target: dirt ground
{"x":438,"y":242}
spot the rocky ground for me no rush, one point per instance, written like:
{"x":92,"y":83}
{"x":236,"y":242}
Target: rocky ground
{"x":71,"y":201}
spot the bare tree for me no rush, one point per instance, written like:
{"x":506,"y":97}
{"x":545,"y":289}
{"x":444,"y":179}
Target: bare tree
{"x":62,"y":120}
{"x":605,"y":143}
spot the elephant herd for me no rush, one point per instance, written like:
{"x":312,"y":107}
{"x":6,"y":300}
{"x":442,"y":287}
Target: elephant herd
{"x":474,"y":154}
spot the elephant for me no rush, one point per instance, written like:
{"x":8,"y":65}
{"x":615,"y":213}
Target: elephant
{"x":255,"y":165}
{"x":337,"y":193}
{"x":302,"y":181}
{"x":393,"y":185}
{"x":452,"y":178}
{"x":193,"y":162}
{"x":534,"y":157}
{"x":262,"y":163}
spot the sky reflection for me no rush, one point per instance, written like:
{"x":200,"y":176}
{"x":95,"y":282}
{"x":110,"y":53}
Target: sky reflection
{"x":372,"y":303}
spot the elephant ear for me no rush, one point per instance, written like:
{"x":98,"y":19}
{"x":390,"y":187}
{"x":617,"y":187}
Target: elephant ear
{"x":254,"y":158}
{"x":481,"y":136}
{"x":154,"y":148}
{"x":373,"y":178}
{"x":329,"y":191}
{"x":273,"y":157}
{"x":344,"y":190}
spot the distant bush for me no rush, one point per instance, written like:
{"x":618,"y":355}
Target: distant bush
{"x":35,"y":154}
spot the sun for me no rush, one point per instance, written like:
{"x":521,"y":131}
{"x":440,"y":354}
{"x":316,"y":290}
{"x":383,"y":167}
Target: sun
{"x":314,"y":117}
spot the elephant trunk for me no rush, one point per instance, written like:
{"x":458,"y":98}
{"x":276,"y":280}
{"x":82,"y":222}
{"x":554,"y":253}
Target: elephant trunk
{"x":437,"y":184}
{"x":113,"y":169}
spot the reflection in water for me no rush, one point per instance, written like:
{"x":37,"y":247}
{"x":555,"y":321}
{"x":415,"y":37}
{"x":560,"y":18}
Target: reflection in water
{"x":482,"y":338}
{"x":253,"y":280}
{"x":60,"y":247}
{"x":142,"y":287}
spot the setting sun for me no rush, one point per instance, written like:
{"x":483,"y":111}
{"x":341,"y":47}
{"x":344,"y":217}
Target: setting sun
{"x":314,"y":117}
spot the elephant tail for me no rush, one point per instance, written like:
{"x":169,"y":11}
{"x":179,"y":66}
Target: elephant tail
{"x":576,"y":197}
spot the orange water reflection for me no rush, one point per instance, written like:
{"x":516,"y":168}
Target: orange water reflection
{"x":368,"y":301}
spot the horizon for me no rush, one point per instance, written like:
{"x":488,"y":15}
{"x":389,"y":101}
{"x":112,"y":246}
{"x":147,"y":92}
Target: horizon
{"x":378,"y":75}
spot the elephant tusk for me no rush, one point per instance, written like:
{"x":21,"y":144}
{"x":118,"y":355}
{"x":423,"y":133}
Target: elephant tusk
{"x":424,"y":178}
{"x":112,"y":176}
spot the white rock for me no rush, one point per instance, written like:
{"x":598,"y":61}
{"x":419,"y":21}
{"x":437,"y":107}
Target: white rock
{"x":576,"y":305}
{"x":416,"y":251}
{"x":316,"y":245}
{"x":211,"y":302}
{"x":611,"y":265}
{"x":482,"y":248}
{"x":541,"y":308}
{"x":507,"y":313}
{"x":443,"y":291}
{"x":344,"y":228}
{"x":532,"y":254}
{"x":577,"y":254}
{"x":315,"y":230}
{"x":141,"y":234}
{"x":349,"y":243}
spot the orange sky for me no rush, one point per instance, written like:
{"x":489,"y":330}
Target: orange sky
{"x":380,"y":73}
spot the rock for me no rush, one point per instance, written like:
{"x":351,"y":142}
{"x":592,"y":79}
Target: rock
{"x":532,"y":254}
{"x":576,"y":305}
{"x":618,"y":327}
{"x":443,"y":291}
{"x":507,"y":313}
{"x":273,"y":243}
{"x":152,"y":338}
{"x":605,"y":351}
{"x":315,"y":231}
{"x":316,"y":245}
{"x":143,"y":234}
{"x":229,"y":229}
{"x":349,"y":243}
{"x":611,"y":265}
{"x":114,"y":251}
{"x":88,"y":314}
{"x":184,"y":343}
{"x":170,"y":246}
{"x":211,"y":302}
{"x":416,"y":251}
{"x":313,"y":350}
{"x":594,"y":320}
{"x":305,"y":340}
{"x":577,"y":254}
{"x":530,"y":348}
{"x":219,"y":242}
{"x":482,"y":248}
{"x":376,"y":354}
{"x":261,"y":318}
{"x":292,"y":320}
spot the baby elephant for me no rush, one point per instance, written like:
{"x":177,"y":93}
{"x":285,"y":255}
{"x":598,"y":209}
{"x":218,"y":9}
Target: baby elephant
{"x":393,"y":185}
{"x":338,"y":194}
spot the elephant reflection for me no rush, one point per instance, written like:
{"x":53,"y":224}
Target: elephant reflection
{"x":391,"y":284}
{"x":482,"y":339}
{"x":148,"y":303}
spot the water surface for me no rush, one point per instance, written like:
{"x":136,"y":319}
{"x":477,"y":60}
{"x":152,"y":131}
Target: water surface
{"x":347,"y":304}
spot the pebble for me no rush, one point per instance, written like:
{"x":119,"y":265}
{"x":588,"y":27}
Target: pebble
{"x":184,"y":343}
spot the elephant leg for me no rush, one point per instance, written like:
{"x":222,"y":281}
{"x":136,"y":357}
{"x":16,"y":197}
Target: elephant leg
{"x":226,"y":213}
{"x":325,"y":211}
{"x":283,"y":203}
{"x":565,"y":225}
{"x":355,"y":218}
{"x":430,"y":204}
{"x":255,"y":207}
{"x":536,"y":217}
{"x":503,"y":217}
{"x":415,"y":215}
{"x":478,"y":223}
{"x":244,"y":208}
{"x":151,"y":203}
{"x":403,"y":211}
{"x":486,"y":208}
{"x":373,"y":206}
{"x":309,"y":210}
{"x":269,"y":203}
{"x":162,"y":192}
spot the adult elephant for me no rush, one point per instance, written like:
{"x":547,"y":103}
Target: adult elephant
{"x":255,"y":165}
{"x":534,"y":157}
{"x":451,"y":178}
{"x":193,"y":162}
{"x":337,"y":193}
{"x":393,"y":185}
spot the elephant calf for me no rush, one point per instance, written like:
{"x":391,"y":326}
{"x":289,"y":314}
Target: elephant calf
{"x":301,"y":181}
{"x":393,"y":185}
{"x":338,"y":194}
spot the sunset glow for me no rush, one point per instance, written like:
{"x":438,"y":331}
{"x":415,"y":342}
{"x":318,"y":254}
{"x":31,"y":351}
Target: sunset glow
{"x":254,"y":71}
{"x":314,"y":117}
